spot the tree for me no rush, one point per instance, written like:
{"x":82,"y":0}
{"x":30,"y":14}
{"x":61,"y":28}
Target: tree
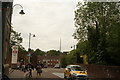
{"x":39,"y":52}
{"x":53,"y":53}
{"x":68,"y":59}
{"x":63,"y":61}
{"x":94,"y":22}
{"x":16,"y":39}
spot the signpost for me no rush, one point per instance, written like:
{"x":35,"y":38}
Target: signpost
{"x":14,"y":56}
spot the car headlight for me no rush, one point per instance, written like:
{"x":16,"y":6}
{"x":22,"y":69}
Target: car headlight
{"x":74,"y":74}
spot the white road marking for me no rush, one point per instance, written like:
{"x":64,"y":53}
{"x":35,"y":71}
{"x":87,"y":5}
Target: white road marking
{"x":61,"y":75}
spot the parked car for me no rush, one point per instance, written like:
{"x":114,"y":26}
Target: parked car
{"x":45,"y":66}
{"x":57,"y":66}
{"x":75,"y":72}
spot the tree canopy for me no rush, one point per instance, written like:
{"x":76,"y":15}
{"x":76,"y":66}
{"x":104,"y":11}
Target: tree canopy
{"x":97,"y":30}
{"x":53,"y":52}
{"x":39,"y":52}
{"x":16,"y":39}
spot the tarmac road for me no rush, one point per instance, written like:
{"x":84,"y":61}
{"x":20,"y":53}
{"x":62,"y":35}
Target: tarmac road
{"x":47,"y":74}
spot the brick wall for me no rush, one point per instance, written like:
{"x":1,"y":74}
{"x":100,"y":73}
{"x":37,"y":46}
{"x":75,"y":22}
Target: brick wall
{"x":101,"y":71}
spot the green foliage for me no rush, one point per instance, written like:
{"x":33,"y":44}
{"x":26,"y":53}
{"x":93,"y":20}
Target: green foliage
{"x":53,"y":53}
{"x":39,"y":52}
{"x":97,"y":31}
{"x":63,"y":61}
{"x":68,"y":59}
{"x":83,"y":47}
{"x":71,"y":57}
{"x":15,"y":38}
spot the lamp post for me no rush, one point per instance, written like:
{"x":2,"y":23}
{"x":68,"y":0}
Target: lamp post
{"x":14,"y":57}
{"x":33,"y":35}
{"x":73,"y":47}
{"x":22,"y":11}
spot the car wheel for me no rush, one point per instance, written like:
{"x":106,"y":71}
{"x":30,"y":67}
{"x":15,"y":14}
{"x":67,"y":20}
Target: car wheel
{"x":65,"y":76}
{"x":69,"y":78}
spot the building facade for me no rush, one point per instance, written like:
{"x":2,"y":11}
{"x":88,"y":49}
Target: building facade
{"x":48,"y":61}
{"x":6,"y":30}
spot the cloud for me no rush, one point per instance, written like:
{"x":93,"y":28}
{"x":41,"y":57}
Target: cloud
{"x":50,"y":21}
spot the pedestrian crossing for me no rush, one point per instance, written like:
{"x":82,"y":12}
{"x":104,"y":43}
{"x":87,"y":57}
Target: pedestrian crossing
{"x":61,"y":75}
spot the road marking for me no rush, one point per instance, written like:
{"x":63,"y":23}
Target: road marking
{"x":61,"y":75}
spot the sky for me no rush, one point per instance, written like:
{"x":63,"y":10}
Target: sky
{"x":49,"y":20}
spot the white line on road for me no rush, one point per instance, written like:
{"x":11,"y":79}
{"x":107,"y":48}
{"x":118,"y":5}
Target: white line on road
{"x":61,"y":75}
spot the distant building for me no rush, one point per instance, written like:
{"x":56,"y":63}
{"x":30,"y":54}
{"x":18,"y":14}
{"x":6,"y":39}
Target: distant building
{"x":22,"y":56}
{"x":33,"y":59}
{"x":49,"y":61}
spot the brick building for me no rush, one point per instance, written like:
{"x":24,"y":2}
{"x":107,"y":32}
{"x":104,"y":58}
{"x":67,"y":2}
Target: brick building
{"x":49,"y":61}
{"x":23,"y":56}
{"x":6,"y":29}
{"x":33,"y":59}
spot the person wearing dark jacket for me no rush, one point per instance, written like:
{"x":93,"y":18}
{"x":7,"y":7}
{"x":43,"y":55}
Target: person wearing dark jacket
{"x":30,"y":72}
{"x":4,"y":77}
{"x":39,"y":70}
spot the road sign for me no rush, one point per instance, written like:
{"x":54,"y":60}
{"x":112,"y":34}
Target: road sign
{"x":29,"y":54}
{"x":14,"y":54}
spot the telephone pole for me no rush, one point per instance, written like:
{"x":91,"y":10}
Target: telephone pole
{"x":60,"y":44}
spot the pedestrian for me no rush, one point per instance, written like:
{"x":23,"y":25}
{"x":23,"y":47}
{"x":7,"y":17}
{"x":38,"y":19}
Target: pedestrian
{"x":32,"y":66}
{"x":26,"y":67}
{"x":4,"y":76}
{"x":27,"y":74}
{"x":23,"y":68}
{"x":39,"y":70}
{"x":30,"y":72}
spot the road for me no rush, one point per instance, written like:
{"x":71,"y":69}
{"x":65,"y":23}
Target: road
{"x":47,"y":74}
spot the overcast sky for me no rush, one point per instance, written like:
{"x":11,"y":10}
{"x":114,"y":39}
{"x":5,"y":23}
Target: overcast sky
{"x":49,"y":20}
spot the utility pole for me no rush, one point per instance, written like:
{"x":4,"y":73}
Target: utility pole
{"x":29,"y":49}
{"x":60,"y":44}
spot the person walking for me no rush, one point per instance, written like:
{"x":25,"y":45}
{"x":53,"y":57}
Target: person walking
{"x":39,"y":70}
{"x":26,"y":67}
{"x":26,"y":74}
{"x":30,"y":72}
{"x":4,"y":76}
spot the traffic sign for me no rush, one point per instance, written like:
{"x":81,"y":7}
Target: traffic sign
{"x":14,"y":54}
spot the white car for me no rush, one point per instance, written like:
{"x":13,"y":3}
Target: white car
{"x":57,"y":66}
{"x":75,"y":72}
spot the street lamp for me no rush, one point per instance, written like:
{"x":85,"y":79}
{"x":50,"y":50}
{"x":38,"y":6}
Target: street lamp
{"x":14,"y":64}
{"x":21,"y":12}
{"x":73,"y":47}
{"x":33,"y":35}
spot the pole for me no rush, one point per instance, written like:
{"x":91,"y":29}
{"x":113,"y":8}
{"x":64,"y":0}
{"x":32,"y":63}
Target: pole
{"x":29,"y":41}
{"x":29,"y":47}
{"x":1,"y":44}
{"x":60,"y":44}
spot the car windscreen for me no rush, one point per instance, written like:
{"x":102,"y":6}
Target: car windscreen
{"x":77,"y":68}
